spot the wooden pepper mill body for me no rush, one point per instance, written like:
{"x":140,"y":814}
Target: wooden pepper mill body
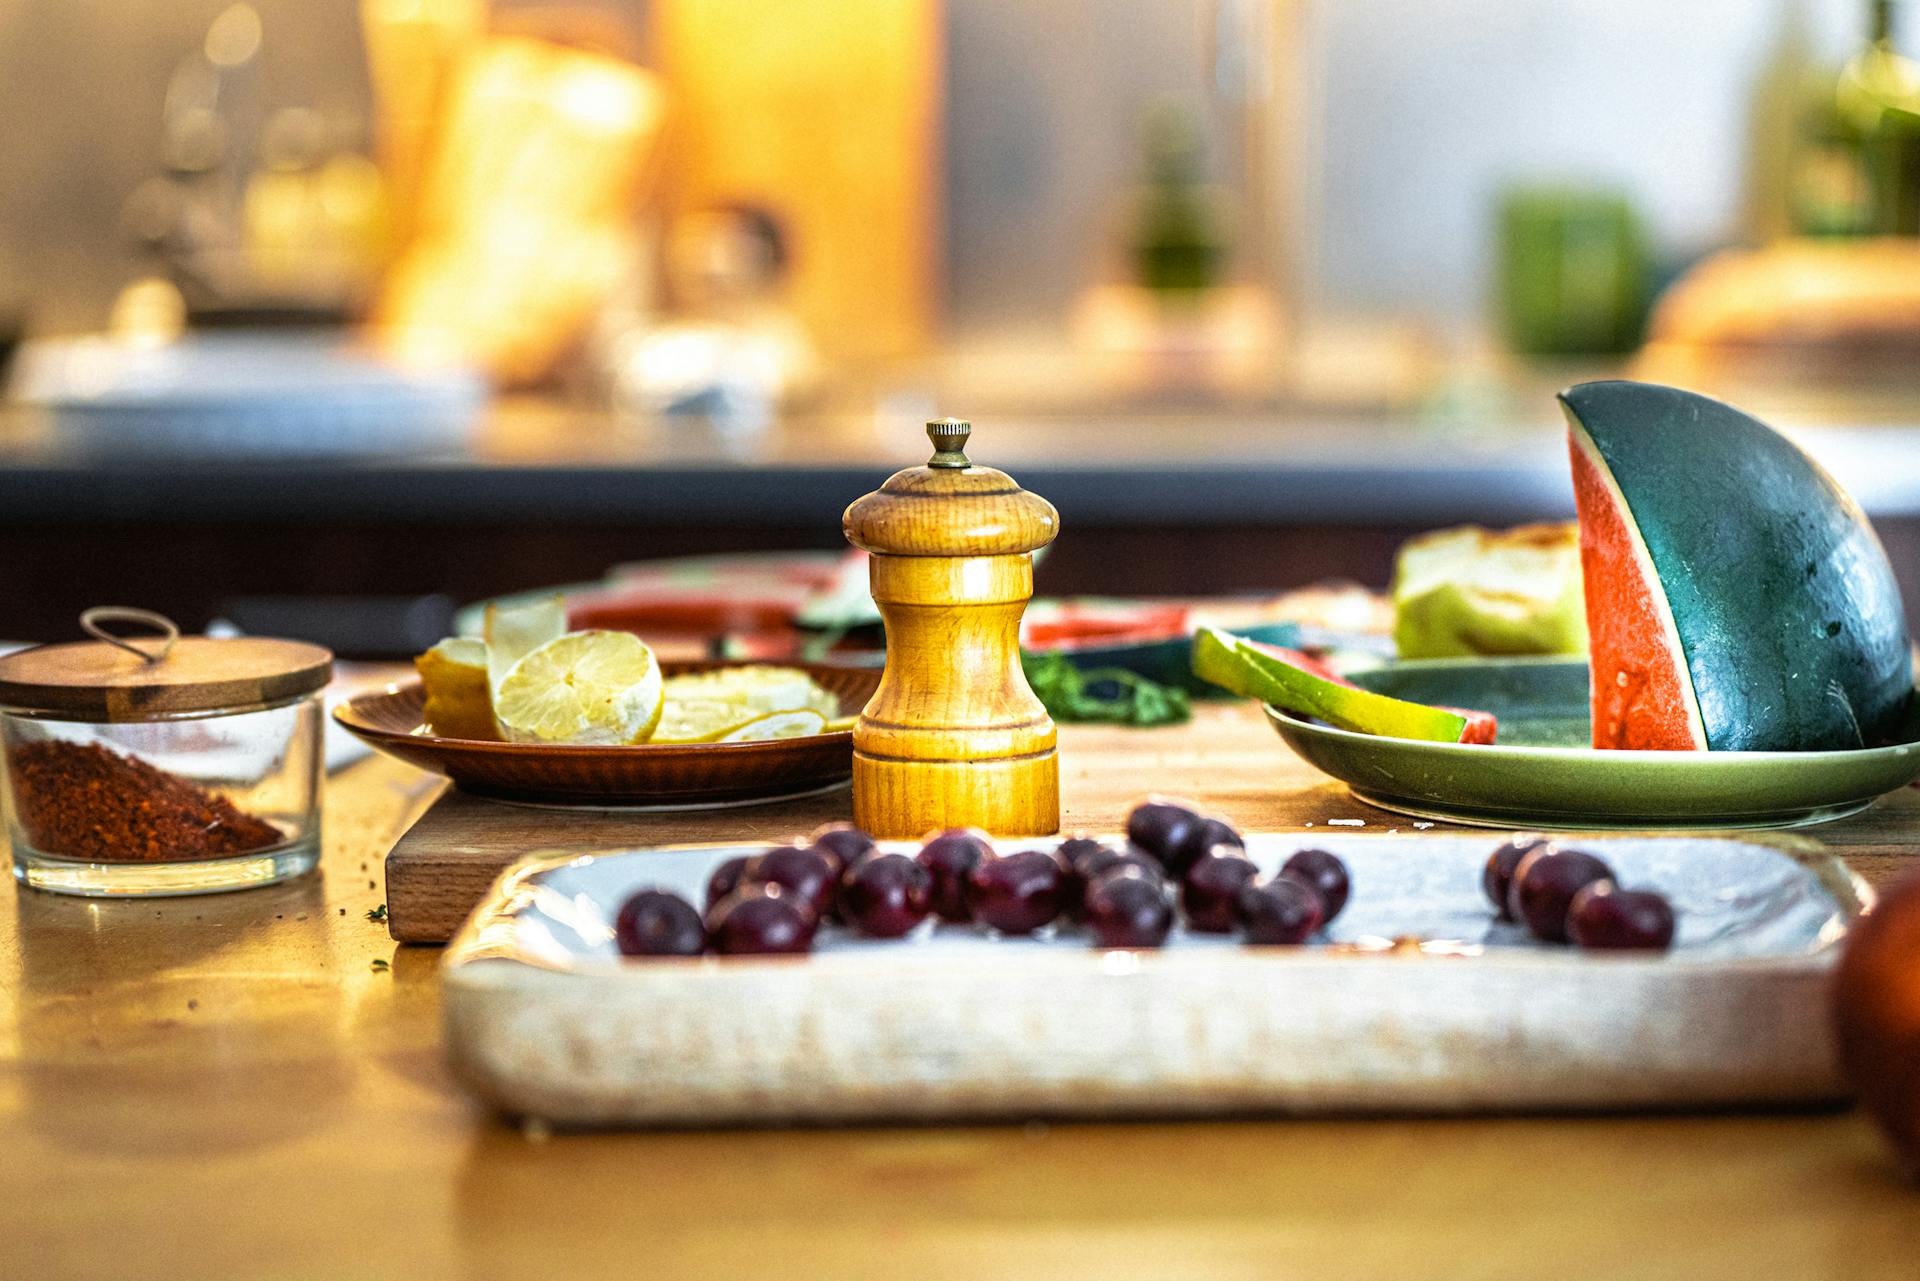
{"x":954,"y":736}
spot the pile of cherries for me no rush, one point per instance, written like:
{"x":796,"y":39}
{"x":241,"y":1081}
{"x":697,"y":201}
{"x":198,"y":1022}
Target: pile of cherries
{"x":1125,"y":896}
{"x":1568,"y":895}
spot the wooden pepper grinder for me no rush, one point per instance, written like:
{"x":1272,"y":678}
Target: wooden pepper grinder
{"x":954,"y":737}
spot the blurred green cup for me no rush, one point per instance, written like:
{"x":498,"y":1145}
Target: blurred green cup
{"x":1574,"y":270}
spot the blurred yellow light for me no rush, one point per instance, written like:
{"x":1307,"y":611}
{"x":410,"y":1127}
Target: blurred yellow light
{"x":234,"y":36}
{"x":828,"y":116}
{"x":148,"y":313}
{"x":525,"y":222}
{"x":350,"y":189}
{"x":603,"y":96}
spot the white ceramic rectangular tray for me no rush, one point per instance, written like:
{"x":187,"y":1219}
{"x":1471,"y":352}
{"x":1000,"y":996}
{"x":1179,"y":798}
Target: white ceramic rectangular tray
{"x":1419,"y":1001}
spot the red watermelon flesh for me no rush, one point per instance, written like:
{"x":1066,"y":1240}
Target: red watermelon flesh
{"x":1642,"y":691}
{"x":1481,"y":727}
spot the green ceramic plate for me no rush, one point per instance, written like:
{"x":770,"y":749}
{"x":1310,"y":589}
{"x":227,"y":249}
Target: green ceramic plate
{"x":1541,"y":774}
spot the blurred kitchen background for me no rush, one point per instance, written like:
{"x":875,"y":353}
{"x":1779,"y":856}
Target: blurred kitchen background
{"x":317,"y":308}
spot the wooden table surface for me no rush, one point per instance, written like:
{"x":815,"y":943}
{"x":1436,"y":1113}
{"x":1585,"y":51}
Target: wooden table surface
{"x":238,"y":1087}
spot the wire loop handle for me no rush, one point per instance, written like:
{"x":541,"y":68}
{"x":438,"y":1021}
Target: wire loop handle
{"x":92,"y":620}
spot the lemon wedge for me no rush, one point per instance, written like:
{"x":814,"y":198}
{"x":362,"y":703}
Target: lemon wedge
{"x":459,"y":698}
{"x":514,"y":631}
{"x":762,"y":689}
{"x":594,"y":687}
{"x":699,"y":720}
{"x":791,"y":724}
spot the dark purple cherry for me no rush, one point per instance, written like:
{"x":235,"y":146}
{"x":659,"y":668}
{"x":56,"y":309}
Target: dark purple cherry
{"x":1497,"y":878}
{"x":1016,"y":893}
{"x":808,"y":873}
{"x":1200,"y":841}
{"x":1077,"y":847}
{"x":1210,"y":894}
{"x":1095,"y":863}
{"x":761,"y":918}
{"x":1106,"y":858}
{"x":1161,"y":828}
{"x":1072,"y":884}
{"x":1604,"y":916}
{"x":1544,"y":885}
{"x":725,"y":879}
{"x":1326,"y":874}
{"x":885,"y":895}
{"x":1281,"y":910}
{"x":1068,"y":854}
{"x":948,"y":856}
{"x":1127,"y":907}
{"x":656,"y":923}
{"x":843,"y":840}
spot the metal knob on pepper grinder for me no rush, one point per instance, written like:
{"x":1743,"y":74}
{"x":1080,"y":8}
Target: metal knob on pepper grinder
{"x":954,"y":737}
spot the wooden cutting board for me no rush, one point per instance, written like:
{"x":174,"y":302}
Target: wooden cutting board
{"x":443,"y":866}
{"x":1227,"y":760}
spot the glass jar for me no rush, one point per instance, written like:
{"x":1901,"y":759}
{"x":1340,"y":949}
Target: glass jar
{"x":191,"y":766}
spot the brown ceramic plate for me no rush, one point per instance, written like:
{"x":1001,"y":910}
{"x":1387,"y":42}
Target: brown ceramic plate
{"x":643,"y":776}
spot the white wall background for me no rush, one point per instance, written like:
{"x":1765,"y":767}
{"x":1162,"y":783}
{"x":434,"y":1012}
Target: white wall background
{"x":1430,"y":104}
{"x":1425,"y":108}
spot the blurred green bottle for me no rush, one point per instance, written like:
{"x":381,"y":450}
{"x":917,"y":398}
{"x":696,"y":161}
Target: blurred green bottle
{"x":1790,"y":86}
{"x":1179,"y":242}
{"x":1859,"y":173}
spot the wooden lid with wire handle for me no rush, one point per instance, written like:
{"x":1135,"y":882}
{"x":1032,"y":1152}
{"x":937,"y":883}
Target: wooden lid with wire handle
{"x":119,"y":678}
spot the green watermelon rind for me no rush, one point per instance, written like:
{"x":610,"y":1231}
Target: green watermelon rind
{"x":1782,"y":597}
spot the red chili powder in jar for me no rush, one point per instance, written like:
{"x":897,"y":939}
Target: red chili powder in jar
{"x":83,"y":801}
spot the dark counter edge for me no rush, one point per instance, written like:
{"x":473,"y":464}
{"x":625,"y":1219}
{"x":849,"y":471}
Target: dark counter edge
{"x":417,"y":492}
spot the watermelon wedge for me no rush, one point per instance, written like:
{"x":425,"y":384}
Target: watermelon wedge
{"x":1294,"y":682}
{"x":1737,"y":599}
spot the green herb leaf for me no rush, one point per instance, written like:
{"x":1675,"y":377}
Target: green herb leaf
{"x":381,"y":965}
{"x":1107,"y":694}
{"x":378,"y":913}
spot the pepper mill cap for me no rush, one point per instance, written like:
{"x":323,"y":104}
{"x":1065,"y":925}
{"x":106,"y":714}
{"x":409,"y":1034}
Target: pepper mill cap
{"x":950,"y":507}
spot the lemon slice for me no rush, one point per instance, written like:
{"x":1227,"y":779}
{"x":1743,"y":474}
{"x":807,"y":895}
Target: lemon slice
{"x":699,"y":720}
{"x":584,"y":687}
{"x":840,"y":724}
{"x":794,"y":724}
{"x":759,"y":688}
{"x":514,"y":631}
{"x":459,"y":698}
